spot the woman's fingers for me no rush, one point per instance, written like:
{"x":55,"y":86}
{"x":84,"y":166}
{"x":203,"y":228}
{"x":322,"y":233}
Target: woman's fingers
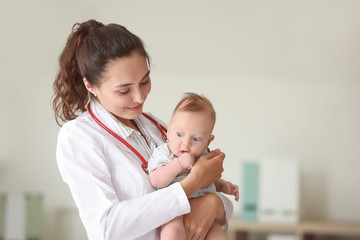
{"x":205,"y":171}
{"x":209,"y":167}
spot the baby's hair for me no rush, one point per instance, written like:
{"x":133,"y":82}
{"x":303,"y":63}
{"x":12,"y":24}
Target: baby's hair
{"x":193,"y":102}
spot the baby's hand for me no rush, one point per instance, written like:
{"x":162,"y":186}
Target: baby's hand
{"x":228,"y":188}
{"x":186,"y":160}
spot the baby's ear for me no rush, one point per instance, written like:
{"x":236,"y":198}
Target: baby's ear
{"x":211,"y":139}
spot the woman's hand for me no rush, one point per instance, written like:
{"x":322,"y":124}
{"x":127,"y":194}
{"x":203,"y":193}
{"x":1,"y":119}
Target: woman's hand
{"x":205,"y":171}
{"x":204,"y":211}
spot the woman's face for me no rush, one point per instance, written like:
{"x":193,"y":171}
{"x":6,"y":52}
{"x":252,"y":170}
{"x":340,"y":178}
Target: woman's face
{"x":124,"y":87}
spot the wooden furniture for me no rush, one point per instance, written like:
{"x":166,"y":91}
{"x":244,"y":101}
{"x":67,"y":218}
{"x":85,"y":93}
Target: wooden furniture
{"x":304,"y":230}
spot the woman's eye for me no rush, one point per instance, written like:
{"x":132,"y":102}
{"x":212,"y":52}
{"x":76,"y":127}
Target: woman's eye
{"x":123,"y":92}
{"x":146,"y":81}
{"x":179,"y":134}
{"x":196,"y":139}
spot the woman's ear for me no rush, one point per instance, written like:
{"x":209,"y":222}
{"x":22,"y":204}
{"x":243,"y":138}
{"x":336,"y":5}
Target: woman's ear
{"x":89,"y":86}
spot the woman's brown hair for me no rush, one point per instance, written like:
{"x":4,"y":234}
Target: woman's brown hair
{"x":90,"y":47}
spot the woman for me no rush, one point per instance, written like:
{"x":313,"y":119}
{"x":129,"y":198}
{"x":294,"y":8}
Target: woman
{"x":105,"y":67}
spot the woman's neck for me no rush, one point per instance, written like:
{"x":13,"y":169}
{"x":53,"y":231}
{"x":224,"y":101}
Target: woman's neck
{"x":133,"y":125}
{"x":129,"y":123}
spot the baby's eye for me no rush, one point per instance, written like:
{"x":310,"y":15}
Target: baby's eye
{"x":196,"y":139}
{"x":179,"y":134}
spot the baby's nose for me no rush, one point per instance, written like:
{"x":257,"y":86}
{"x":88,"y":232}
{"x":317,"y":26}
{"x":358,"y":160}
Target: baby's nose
{"x":186,"y":143}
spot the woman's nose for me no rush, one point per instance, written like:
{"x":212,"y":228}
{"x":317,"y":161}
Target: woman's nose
{"x":139,"y":96}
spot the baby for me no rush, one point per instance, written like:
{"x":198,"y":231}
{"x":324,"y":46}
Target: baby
{"x":189,"y":135}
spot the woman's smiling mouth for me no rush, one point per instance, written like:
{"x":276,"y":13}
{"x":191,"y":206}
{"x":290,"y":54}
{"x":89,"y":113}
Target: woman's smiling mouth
{"x":137,"y":108}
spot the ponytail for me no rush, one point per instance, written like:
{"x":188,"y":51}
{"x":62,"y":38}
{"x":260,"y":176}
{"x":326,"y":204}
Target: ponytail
{"x":89,"y":48}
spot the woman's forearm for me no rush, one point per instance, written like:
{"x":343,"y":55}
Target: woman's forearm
{"x":190,"y":185}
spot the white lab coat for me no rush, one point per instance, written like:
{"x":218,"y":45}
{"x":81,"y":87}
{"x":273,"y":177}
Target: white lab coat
{"x":113,"y":194}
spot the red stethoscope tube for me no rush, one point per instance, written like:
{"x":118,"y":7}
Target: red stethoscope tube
{"x":158,"y":125}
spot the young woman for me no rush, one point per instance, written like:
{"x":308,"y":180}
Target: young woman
{"x":103,"y":147}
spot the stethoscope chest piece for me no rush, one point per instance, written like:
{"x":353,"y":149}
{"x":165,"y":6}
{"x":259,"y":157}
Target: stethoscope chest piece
{"x":144,"y":167}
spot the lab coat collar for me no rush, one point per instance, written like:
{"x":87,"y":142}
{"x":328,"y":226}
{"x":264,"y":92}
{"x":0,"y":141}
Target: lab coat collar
{"x":119,"y":128}
{"x":110,"y":121}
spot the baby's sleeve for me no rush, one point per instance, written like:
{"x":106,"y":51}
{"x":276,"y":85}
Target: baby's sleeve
{"x":161,"y":156}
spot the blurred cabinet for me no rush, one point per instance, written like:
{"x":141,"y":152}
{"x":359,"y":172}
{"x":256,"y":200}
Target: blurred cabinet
{"x":21,"y":216}
{"x":271,"y":190}
{"x":304,"y":230}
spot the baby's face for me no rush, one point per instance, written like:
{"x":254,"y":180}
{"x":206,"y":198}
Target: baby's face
{"x":190,"y":132}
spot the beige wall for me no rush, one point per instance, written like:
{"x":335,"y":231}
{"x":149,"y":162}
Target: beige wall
{"x":283,"y":76}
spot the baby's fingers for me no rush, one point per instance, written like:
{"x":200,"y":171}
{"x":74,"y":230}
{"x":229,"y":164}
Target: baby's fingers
{"x":236,"y":192}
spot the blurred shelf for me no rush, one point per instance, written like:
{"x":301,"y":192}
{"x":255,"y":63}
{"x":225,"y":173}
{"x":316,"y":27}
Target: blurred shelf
{"x":238,"y":229}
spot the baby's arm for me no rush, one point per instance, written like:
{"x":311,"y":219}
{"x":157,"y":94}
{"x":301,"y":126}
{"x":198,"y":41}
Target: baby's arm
{"x":164,"y":175}
{"x":227,"y":187}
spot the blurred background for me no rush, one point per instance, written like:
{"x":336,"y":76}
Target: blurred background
{"x":283,"y":76}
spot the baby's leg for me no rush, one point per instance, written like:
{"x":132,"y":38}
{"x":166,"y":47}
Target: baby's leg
{"x":173,"y":230}
{"x":216,"y":233}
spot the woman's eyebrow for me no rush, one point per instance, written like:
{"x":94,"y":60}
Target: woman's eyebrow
{"x":147,"y":74}
{"x":123,"y":85}
{"x":129,"y":84}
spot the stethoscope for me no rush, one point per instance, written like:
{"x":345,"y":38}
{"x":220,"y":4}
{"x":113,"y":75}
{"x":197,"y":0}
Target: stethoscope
{"x":158,"y":125}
